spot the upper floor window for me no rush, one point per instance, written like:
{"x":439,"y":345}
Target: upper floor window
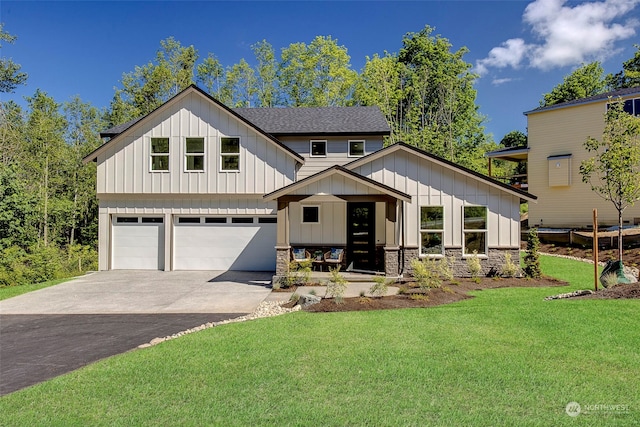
{"x":318,"y":148}
{"x":194,"y":154}
{"x":631,"y":106}
{"x":356,"y":148}
{"x":159,"y":154}
{"x":431,"y":230}
{"x":474,"y":230}
{"x":311,"y":214}
{"x":230,"y":154}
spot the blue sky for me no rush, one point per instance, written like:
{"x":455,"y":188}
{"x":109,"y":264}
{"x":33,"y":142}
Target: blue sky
{"x":522,"y":49}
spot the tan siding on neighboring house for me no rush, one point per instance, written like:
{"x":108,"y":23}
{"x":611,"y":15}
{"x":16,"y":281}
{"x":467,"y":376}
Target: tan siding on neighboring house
{"x":337,"y":151}
{"x":124,"y":168}
{"x":560,"y":132}
{"x":430,"y":184}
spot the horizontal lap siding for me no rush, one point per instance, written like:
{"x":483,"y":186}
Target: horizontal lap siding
{"x":125,"y":167}
{"x":431,"y":184}
{"x":559,"y":132}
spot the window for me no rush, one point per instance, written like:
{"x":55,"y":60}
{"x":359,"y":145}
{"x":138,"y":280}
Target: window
{"x":475,"y":229}
{"x":215,"y":220}
{"x":188,"y":220}
{"x":194,"y":154}
{"x":242,"y":220}
{"x":318,"y":148}
{"x":126,"y":219}
{"x":268,"y":220}
{"x":152,"y":220}
{"x":311,"y":214}
{"x":356,"y":148}
{"x":631,"y":106}
{"x":160,"y":154}
{"x":431,"y":230}
{"x":230,"y":154}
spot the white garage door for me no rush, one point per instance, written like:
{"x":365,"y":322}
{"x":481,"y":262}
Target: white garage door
{"x":138,"y":243}
{"x":237,"y":243}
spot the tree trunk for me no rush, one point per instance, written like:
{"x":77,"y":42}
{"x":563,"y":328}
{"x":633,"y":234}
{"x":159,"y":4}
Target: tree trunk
{"x":620,"y":236}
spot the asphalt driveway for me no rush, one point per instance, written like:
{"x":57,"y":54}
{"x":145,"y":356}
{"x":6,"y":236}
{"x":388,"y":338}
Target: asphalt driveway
{"x":55,"y":330}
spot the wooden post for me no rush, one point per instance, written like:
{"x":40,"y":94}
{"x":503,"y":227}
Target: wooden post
{"x":595,"y":248}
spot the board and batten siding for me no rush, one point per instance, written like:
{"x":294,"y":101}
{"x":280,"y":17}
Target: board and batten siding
{"x":560,"y":132}
{"x":124,"y":168}
{"x":337,"y":151}
{"x":430,"y":184}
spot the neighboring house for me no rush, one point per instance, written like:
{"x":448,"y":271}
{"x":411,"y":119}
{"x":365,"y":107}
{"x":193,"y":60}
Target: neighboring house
{"x":195,"y":185}
{"x":556,"y":136}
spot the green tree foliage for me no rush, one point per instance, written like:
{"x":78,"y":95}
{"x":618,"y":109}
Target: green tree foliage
{"x":532,"y":257}
{"x":588,"y":80}
{"x":18,"y":210}
{"x":147,"y":87}
{"x":266,"y":74}
{"x":210,"y":74}
{"x":514,"y":138}
{"x":240,"y":85}
{"x":629,"y":76}
{"x":614,"y":171}
{"x":316,"y":75}
{"x":10,"y":74}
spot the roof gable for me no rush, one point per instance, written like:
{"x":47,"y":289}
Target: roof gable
{"x":442,"y":162}
{"x":117,"y":131}
{"x":338,"y":170}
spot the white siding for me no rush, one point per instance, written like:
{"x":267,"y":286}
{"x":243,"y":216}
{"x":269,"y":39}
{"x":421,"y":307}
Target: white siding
{"x":337,"y":151}
{"x":432,"y":184}
{"x":124,"y":168}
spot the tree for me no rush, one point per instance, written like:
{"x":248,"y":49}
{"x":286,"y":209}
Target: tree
{"x":614,"y":171}
{"x":588,"y":80}
{"x":210,"y":73}
{"x":514,"y":138}
{"x":10,"y":74}
{"x":11,"y":132}
{"x":240,"y":85}
{"x":316,"y":75}
{"x":629,"y":76}
{"x":266,"y":74}
{"x":532,"y":257}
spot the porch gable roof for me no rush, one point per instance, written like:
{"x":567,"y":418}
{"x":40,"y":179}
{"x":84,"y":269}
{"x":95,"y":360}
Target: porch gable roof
{"x":338,"y":170}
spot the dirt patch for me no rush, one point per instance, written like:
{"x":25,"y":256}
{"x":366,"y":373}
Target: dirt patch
{"x":415,"y":297}
{"x":625,"y":291}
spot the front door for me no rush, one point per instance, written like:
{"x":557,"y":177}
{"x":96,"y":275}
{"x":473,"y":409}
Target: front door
{"x":361,"y":244}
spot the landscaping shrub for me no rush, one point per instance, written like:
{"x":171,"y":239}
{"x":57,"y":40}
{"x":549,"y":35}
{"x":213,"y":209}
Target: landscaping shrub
{"x":509,"y":269}
{"x":337,"y":285}
{"x":473,"y":264}
{"x":532,"y":258}
{"x":426,"y":273}
{"x":380,"y":287}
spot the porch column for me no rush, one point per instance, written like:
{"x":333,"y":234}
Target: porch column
{"x":392,"y":246}
{"x":283,"y":247}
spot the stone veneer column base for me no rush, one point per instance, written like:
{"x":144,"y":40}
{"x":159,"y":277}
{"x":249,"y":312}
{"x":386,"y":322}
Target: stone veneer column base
{"x":495,"y":260}
{"x":282,"y":260}
{"x":391,"y":261}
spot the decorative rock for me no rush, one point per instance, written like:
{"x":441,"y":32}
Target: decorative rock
{"x":264,"y":309}
{"x":306,"y":300}
{"x":569,"y":295}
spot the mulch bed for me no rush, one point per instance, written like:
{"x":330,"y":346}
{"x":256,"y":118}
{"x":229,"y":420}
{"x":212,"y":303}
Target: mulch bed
{"x":416,"y":298}
{"x":627,"y":291}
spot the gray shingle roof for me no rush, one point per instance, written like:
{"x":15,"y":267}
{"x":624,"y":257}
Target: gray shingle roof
{"x":614,"y":94}
{"x":317,"y":120}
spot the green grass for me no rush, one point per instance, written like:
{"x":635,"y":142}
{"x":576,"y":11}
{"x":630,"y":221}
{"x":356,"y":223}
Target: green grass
{"x":13,"y":291}
{"x":505,"y":357}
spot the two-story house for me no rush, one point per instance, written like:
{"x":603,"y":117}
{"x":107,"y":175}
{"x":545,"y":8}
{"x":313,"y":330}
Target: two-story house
{"x":195,"y":185}
{"x":556,"y":137}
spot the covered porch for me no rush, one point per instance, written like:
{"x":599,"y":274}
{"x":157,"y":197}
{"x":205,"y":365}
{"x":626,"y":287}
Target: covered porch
{"x":519,"y":155}
{"x":340,"y":212}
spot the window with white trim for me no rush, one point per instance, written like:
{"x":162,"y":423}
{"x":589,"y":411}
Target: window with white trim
{"x":229,"y":154}
{"x":318,"y":149}
{"x":431,"y":230}
{"x":311,"y":214}
{"x":356,"y":148}
{"x":160,"y":154}
{"x":474,"y":229}
{"x":194,"y":154}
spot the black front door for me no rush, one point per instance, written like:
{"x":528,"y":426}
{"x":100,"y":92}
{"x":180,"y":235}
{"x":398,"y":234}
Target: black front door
{"x":361,"y":244}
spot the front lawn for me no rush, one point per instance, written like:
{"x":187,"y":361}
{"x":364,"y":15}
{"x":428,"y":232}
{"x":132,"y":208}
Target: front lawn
{"x":14,"y":291}
{"x":505,"y":357}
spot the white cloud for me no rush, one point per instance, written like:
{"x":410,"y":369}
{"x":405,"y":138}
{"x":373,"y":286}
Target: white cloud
{"x":498,"y":82}
{"x":565,"y":35}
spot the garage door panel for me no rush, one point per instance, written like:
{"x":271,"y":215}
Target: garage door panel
{"x":248,"y":247}
{"x":138,"y":246}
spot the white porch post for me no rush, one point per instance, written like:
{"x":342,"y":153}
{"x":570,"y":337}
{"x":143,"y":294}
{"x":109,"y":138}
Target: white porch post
{"x":283,"y":245}
{"x":392,"y":246}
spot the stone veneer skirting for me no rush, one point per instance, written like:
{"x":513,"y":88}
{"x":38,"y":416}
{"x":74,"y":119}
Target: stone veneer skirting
{"x":495,"y":260}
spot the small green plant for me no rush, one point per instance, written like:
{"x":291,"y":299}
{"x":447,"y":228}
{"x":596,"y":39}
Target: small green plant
{"x":473,"y":264}
{"x":532,"y":258}
{"x":380,"y":287}
{"x":313,"y":292}
{"x":294,"y":297}
{"x":299,"y":274}
{"x":447,"y":289}
{"x":337,"y":285}
{"x":609,"y":280}
{"x":403,"y":289}
{"x":445,"y":268}
{"x":509,"y":269}
{"x":419,"y":297}
{"x":426,"y":273}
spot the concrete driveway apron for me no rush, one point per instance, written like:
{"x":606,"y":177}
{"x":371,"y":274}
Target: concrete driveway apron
{"x":58,"y":329}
